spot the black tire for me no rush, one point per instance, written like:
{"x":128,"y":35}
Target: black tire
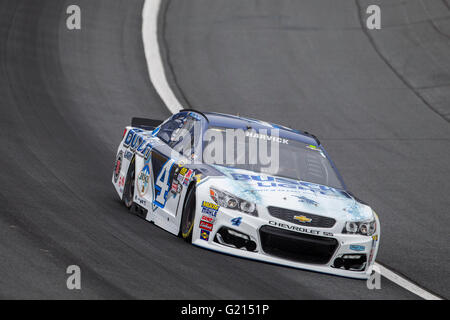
{"x":128,"y":189}
{"x":188,"y":217}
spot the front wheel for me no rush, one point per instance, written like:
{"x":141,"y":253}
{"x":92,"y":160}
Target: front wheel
{"x":188,"y":217}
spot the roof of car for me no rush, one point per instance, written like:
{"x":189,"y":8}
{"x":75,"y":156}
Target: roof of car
{"x":234,"y":121}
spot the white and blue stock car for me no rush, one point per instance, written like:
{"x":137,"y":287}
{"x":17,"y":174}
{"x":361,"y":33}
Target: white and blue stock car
{"x":299,"y":215}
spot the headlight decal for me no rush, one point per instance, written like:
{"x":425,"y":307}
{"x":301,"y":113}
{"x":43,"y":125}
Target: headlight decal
{"x":228,"y":200}
{"x":365,"y":228}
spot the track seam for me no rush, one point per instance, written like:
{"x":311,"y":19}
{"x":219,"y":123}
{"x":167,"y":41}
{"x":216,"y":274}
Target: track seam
{"x":386,"y":61}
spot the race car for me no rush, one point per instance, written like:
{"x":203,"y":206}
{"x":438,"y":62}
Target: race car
{"x":292,"y":210}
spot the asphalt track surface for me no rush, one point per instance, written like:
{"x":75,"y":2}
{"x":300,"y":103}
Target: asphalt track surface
{"x":66,"y":96}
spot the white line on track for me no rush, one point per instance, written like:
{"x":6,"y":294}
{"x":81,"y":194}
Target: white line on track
{"x":159,"y":80}
{"x":153,"y":55}
{"x":405,"y":283}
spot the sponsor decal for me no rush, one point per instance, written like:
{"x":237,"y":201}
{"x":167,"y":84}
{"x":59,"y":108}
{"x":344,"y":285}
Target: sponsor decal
{"x":302,"y":219}
{"x":176,"y":173}
{"x":176,"y":187}
{"x":118,"y":165}
{"x":270,"y":182}
{"x":204,"y":235}
{"x":206,"y":225}
{"x":140,"y":201}
{"x":210,"y":208}
{"x":180,"y":176}
{"x":128,"y":155}
{"x":143,"y":180}
{"x":264,"y":182}
{"x":184,"y":175}
{"x":208,"y":218}
{"x":121,"y":180}
{"x":213,"y":206}
{"x":209,"y":211}
{"x":189,"y":173}
{"x":187,"y":176}
{"x":141,"y":142}
{"x":198,"y":177}
{"x":236,"y":221}
{"x":356,"y":247}
{"x":300,"y":229}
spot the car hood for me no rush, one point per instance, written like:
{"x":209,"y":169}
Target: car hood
{"x":291,"y":194}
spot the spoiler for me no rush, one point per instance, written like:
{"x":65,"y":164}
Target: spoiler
{"x":143,"y":123}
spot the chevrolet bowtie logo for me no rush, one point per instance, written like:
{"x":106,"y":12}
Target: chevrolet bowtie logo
{"x":302,"y":219}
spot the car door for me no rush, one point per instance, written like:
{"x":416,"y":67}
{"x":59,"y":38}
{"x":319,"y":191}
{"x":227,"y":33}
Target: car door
{"x":165,"y":163}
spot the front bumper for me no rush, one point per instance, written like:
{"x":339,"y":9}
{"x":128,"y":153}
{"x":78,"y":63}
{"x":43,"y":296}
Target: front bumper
{"x":275,"y":241}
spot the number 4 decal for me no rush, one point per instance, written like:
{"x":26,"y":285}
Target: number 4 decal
{"x":162,"y":185}
{"x":236,"y":221}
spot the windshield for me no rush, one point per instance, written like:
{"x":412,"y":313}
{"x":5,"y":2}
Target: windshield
{"x":274,"y":156}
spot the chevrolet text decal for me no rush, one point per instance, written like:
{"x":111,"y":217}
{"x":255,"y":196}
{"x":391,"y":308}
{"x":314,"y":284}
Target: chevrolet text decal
{"x":300,"y":229}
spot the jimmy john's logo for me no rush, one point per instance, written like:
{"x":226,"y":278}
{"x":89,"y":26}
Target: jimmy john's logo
{"x":302,"y":219}
{"x":143,"y":180}
{"x":300,"y":229}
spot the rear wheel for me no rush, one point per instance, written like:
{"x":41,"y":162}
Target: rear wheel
{"x":188,"y":217}
{"x":128,"y":190}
